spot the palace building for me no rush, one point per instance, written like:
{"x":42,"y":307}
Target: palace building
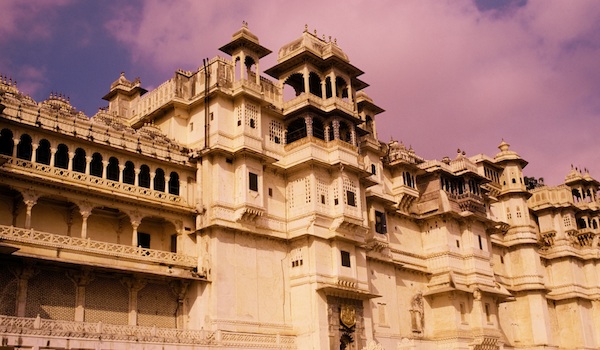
{"x":235,"y":208}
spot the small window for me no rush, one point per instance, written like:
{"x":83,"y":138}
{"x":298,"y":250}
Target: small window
{"x":373,"y":169}
{"x":380,"y":222}
{"x":345,"y":258}
{"x":488,"y":315}
{"x":457,"y":243}
{"x":270,"y":192}
{"x":323,"y":199}
{"x":174,"y":243}
{"x":351,"y":196}
{"x":252,"y":123}
{"x":191,"y":126}
{"x":239,"y":122}
{"x":480,"y":243}
{"x":253,"y":182}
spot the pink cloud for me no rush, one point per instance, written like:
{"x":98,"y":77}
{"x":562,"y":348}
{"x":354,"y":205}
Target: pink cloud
{"x":28,"y":20}
{"x":448,"y":75}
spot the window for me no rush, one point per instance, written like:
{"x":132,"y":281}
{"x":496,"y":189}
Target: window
{"x":96,"y":165}
{"x":345,"y":258}
{"x":380,"y":222}
{"x":488,"y":315}
{"x":159,"y":180}
{"x":24,"y":148}
{"x":174,"y":184}
{"x":373,"y":169}
{"x":480,"y":243}
{"x":42,"y":154}
{"x":351,"y":198}
{"x":79,"y":161}
{"x":112,"y":170}
{"x":253,"y":182}
{"x":174,"y":243}
{"x":144,"y":176}
{"x":270,"y":192}
{"x":129,"y":173}
{"x":61,"y":158}
{"x":143,"y":240}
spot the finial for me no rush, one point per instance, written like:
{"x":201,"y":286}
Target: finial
{"x":323,"y":37}
{"x":306,"y":28}
{"x":458,"y":151}
{"x":244,"y":24}
{"x":315,"y":31}
{"x":335,"y":41}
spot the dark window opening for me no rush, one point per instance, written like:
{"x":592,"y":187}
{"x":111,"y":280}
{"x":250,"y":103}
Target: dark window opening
{"x":174,"y":184}
{"x":380,"y":222}
{"x":296,"y":130}
{"x":314,"y":85}
{"x":6,"y":142}
{"x":159,"y":180}
{"x":129,"y":173}
{"x":112,"y":170}
{"x":96,"y":165}
{"x":144,"y":176}
{"x":351,"y":196}
{"x":79,"y":161}
{"x":345,"y":258}
{"x":322,"y":199}
{"x":253,"y":182}
{"x":143,"y":240}
{"x":373,"y":169}
{"x":252,"y":123}
{"x":174,"y":243}
{"x":42,"y":153}
{"x":61,"y":158}
{"x":480,"y":243}
{"x":24,"y":148}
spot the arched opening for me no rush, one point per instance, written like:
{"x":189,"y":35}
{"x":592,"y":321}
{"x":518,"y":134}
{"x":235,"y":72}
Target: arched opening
{"x":345,"y":133}
{"x":79,"y":164}
{"x":314,"y":85}
{"x":174,"y":184}
{"x":581,"y":223}
{"x":369,"y":124}
{"x":296,"y":81}
{"x":296,"y":130}
{"x":250,"y":68}
{"x":144,"y":177}
{"x":129,"y":173}
{"x":61,"y":158}
{"x":328,"y":88}
{"x":112,"y":170}
{"x":6,"y":142}
{"x":159,"y":180}
{"x":96,"y":165}
{"x":42,"y":153}
{"x":24,"y":149}
{"x":341,"y":87}
{"x":318,"y":129}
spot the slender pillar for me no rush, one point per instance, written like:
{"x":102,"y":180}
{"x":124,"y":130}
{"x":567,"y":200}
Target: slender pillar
{"x":134,"y":235}
{"x":309,"y":125}
{"x":136,"y":181}
{"x":70,"y":163}
{"x":88,"y":164}
{"x":81,"y":279}
{"x":23,"y":275}
{"x":336,"y":129}
{"x":134,"y":285}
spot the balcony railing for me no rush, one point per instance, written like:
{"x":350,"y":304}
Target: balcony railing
{"x":36,"y":327}
{"x":48,"y":171}
{"x":39,"y":238}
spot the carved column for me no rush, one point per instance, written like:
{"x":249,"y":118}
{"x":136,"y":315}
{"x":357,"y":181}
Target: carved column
{"x":305,"y":75}
{"x":327,"y":128}
{"x":136,"y":181}
{"x":152,"y":176}
{"x":309,"y":128}
{"x":104,"y":166}
{"x":52,"y":155}
{"x":136,"y":219}
{"x":70,"y":163}
{"x":134,"y":285}
{"x":81,"y":279}
{"x":23,"y":275}
{"x":30,"y":199}
{"x":353,"y":135}
{"x":88,"y":164}
{"x":85,"y":209}
{"x":121,"y":168}
{"x":336,"y":129}
{"x":180,"y":289}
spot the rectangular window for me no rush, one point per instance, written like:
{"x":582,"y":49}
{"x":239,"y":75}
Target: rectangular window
{"x":143,"y":240}
{"x":351,"y":196}
{"x":345,"y":258}
{"x":480,"y":243}
{"x":380,"y":222}
{"x":488,"y":315}
{"x":173,"y":243}
{"x":253,"y":181}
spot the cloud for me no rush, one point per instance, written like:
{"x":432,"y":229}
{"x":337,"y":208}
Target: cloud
{"x":459,"y":74}
{"x":28,"y":20}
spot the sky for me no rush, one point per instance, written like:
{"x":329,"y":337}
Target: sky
{"x":461,"y":74}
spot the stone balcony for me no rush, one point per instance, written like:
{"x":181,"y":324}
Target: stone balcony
{"x":50,"y":173}
{"x":326,"y":105}
{"x":328,"y":152}
{"x":470,"y":202}
{"x":21,"y":331}
{"x":45,"y":245}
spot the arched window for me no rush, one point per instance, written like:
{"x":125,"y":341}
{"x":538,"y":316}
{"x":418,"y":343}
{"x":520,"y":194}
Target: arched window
{"x":174,"y":184}
{"x":112,"y":170}
{"x":6,"y":142}
{"x":129,"y":173}
{"x":314,"y":84}
{"x":159,"y":180}
{"x":144,"y":177}
{"x":24,"y":149}
{"x":61,"y":158}
{"x":296,"y":81}
{"x":373,"y":169}
{"x":79,"y":161}
{"x":42,"y":153}
{"x":328,"y":88}
{"x":318,"y":129}
{"x":341,"y":87}
{"x":345,"y":134}
{"x":96,"y":165}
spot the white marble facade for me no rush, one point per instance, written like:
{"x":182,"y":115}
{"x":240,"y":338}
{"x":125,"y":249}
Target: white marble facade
{"x":238,"y":209}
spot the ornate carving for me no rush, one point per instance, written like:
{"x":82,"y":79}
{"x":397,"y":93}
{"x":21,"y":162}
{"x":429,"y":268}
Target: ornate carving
{"x":416,"y":313}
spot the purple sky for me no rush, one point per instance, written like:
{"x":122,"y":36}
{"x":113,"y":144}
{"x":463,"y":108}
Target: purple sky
{"x":450,"y":74}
